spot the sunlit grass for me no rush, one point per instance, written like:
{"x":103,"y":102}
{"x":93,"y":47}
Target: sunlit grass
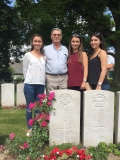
{"x":12,"y":120}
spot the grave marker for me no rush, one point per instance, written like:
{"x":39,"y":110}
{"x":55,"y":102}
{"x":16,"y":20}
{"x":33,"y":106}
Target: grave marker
{"x":65,"y":119}
{"x":117,"y":124}
{"x":7,"y":95}
{"x":98,"y":117}
{"x":20,"y":95}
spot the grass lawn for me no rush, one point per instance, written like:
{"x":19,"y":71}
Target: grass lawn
{"x":12,"y":120}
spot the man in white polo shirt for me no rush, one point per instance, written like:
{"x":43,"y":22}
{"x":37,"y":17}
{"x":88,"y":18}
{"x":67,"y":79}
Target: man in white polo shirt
{"x":110,"y":65}
{"x":56,"y":62}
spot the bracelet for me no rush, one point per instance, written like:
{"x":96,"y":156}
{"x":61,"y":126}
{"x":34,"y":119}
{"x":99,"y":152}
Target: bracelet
{"x":84,"y":80}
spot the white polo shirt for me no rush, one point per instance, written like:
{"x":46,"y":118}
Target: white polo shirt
{"x":111,"y":60}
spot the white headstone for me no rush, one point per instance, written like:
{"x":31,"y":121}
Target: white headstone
{"x":7,"y":95}
{"x":65,"y":119}
{"x":117,"y":121}
{"x":20,"y":94}
{"x":98,"y":121}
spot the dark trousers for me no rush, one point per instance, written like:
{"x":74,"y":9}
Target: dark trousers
{"x":31,"y":92}
{"x":103,"y":87}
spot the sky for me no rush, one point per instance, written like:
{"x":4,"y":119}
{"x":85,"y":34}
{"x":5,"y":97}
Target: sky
{"x":12,"y":3}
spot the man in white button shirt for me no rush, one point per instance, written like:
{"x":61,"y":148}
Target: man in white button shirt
{"x":56,"y":62}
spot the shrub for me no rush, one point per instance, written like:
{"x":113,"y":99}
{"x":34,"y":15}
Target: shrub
{"x":6,"y":74}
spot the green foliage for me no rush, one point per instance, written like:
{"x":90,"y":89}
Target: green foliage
{"x":6,"y":73}
{"x":11,"y":34}
{"x":84,"y":17}
{"x":110,"y":80}
{"x":18,"y":78}
{"x":115,"y":148}
{"x":102,"y":150}
{"x":14,"y":146}
{"x":18,"y":24}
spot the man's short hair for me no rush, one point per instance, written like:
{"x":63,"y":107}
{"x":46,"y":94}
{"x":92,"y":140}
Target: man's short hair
{"x":58,"y":29}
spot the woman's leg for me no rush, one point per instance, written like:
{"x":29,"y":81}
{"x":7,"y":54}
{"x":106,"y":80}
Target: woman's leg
{"x":29,"y":92}
{"x":39,"y":90}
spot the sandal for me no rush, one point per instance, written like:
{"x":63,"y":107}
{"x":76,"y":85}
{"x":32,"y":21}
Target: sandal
{"x":28,"y":132}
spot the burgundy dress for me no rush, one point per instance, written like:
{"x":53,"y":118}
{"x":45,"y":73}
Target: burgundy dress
{"x":75,"y":71}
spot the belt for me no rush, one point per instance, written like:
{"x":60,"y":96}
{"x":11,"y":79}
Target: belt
{"x":56,"y":74}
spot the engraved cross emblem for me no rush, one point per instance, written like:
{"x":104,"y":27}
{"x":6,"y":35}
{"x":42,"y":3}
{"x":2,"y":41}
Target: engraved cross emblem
{"x":98,"y":127}
{"x":64,"y":129}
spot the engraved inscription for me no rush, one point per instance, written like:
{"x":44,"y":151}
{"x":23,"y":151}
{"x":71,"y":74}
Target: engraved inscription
{"x":54,"y":113}
{"x":99,"y":100}
{"x":63,"y":113}
{"x":65,"y":100}
{"x":98,"y":128}
{"x":64,"y":129}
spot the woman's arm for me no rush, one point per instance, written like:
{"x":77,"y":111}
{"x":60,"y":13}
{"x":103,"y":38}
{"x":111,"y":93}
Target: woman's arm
{"x":103,"y":59}
{"x":25,"y":64}
{"x":85,"y":69}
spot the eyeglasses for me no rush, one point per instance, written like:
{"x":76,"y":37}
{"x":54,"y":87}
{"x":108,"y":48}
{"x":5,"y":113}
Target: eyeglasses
{"x":56,"y":35}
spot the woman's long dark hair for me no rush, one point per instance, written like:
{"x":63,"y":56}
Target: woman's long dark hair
{"x":100,"y":37}
{"x":80,"y":49}
{"x":41,"y":49}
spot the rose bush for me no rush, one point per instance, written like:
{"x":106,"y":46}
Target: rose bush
{"x":73,"y":153}
{"x":39,"y":137}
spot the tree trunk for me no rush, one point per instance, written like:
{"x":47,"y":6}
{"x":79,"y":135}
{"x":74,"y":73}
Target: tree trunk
{"x":116,"y":77}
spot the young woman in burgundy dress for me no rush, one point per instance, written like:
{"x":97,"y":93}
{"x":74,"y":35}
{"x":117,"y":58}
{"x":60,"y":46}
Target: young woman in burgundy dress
{"x":77,"y":67}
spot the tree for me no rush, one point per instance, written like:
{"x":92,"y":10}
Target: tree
{"x":10,"y":34}
{"x":85,"y":16}
{"x":96,"y":14}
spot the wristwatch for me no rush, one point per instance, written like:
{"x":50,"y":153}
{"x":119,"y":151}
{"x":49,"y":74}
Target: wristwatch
{"x":84,"y":80}
{"x":99,"y":83}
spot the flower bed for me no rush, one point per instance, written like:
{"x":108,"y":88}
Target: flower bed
{"x":34,"y":147}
